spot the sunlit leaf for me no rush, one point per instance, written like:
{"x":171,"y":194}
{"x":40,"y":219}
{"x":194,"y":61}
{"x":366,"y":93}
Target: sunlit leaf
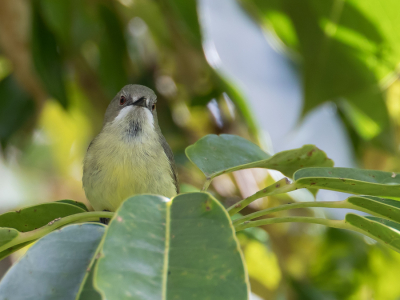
{"x":186,"y":249}
{"x":345,"y":47}
{"x":55,"y":266}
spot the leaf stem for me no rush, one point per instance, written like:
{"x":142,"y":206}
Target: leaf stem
{"x":24,"y":237}
{"x":327,"y":204}
{"x":279,"y":187}
{"x":206,"y":184}
{"x":321,"y":221}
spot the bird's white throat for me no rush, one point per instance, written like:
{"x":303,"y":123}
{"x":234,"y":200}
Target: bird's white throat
{"x":133,"y":124}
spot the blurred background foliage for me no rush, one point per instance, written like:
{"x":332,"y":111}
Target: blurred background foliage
{"x":61,"y":62}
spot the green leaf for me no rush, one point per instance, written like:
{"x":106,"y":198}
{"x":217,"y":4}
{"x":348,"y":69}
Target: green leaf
{"x":11,"y":250}
{"x":88,"y":291}
{"x":348,"y":180}
{"x":380,"y":207}
{"x":11,"y":239}
{"x":113,"y":51}
{"x":34,"y":217}
{"x":73,"y":202}
{"x":386,"y":208}
{"x":46,"y":57}
{"x":345,"y":48}
{"x":16,"y":107}
{"x":180,"y":249}
{"x":73,"y":22}
{"x":55,"y":266}
{"x":7,"y":235}
{"x":185,"y":15}
{"x":382,"y":230}
{"x":58,"y":17}
{"x":215,"y":155}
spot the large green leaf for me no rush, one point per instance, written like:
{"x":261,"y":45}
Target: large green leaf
{"x":355,"y":181}
{"x":180,"y":249}
{"x":345,"y":46}
{"x":36,"y":216}
{"x":55,"y":267}
{"x":215,"y":155}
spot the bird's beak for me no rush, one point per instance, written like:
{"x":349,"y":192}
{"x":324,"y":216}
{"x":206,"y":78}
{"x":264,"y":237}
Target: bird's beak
{"x":140,"y":102}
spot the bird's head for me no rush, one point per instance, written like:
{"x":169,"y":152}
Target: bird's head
{"x":133,"y":110}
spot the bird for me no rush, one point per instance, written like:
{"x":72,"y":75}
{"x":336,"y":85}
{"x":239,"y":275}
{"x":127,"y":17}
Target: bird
{"x":130,"y":155}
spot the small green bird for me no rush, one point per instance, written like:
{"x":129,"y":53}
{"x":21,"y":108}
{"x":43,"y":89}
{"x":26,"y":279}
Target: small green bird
{"x":130,"y":155}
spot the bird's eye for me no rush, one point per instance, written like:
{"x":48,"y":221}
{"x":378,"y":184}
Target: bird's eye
{"x":122,"y":100}
{"x":153,"y":107}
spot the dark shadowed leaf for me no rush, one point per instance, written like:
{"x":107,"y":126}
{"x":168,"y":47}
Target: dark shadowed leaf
{"x":16,"y":106}
{"x":113,"y":51}
{"x":88,"y":291}
{"x":46,"y":57}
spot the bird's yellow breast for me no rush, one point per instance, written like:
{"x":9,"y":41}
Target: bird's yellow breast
{"x":116,"y":168}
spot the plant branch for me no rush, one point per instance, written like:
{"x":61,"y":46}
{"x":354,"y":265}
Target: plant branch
{"x":24,"y":237}
{"x":321,"y":221}
{"x":279,"y":187}
{"x":326,"y":204}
